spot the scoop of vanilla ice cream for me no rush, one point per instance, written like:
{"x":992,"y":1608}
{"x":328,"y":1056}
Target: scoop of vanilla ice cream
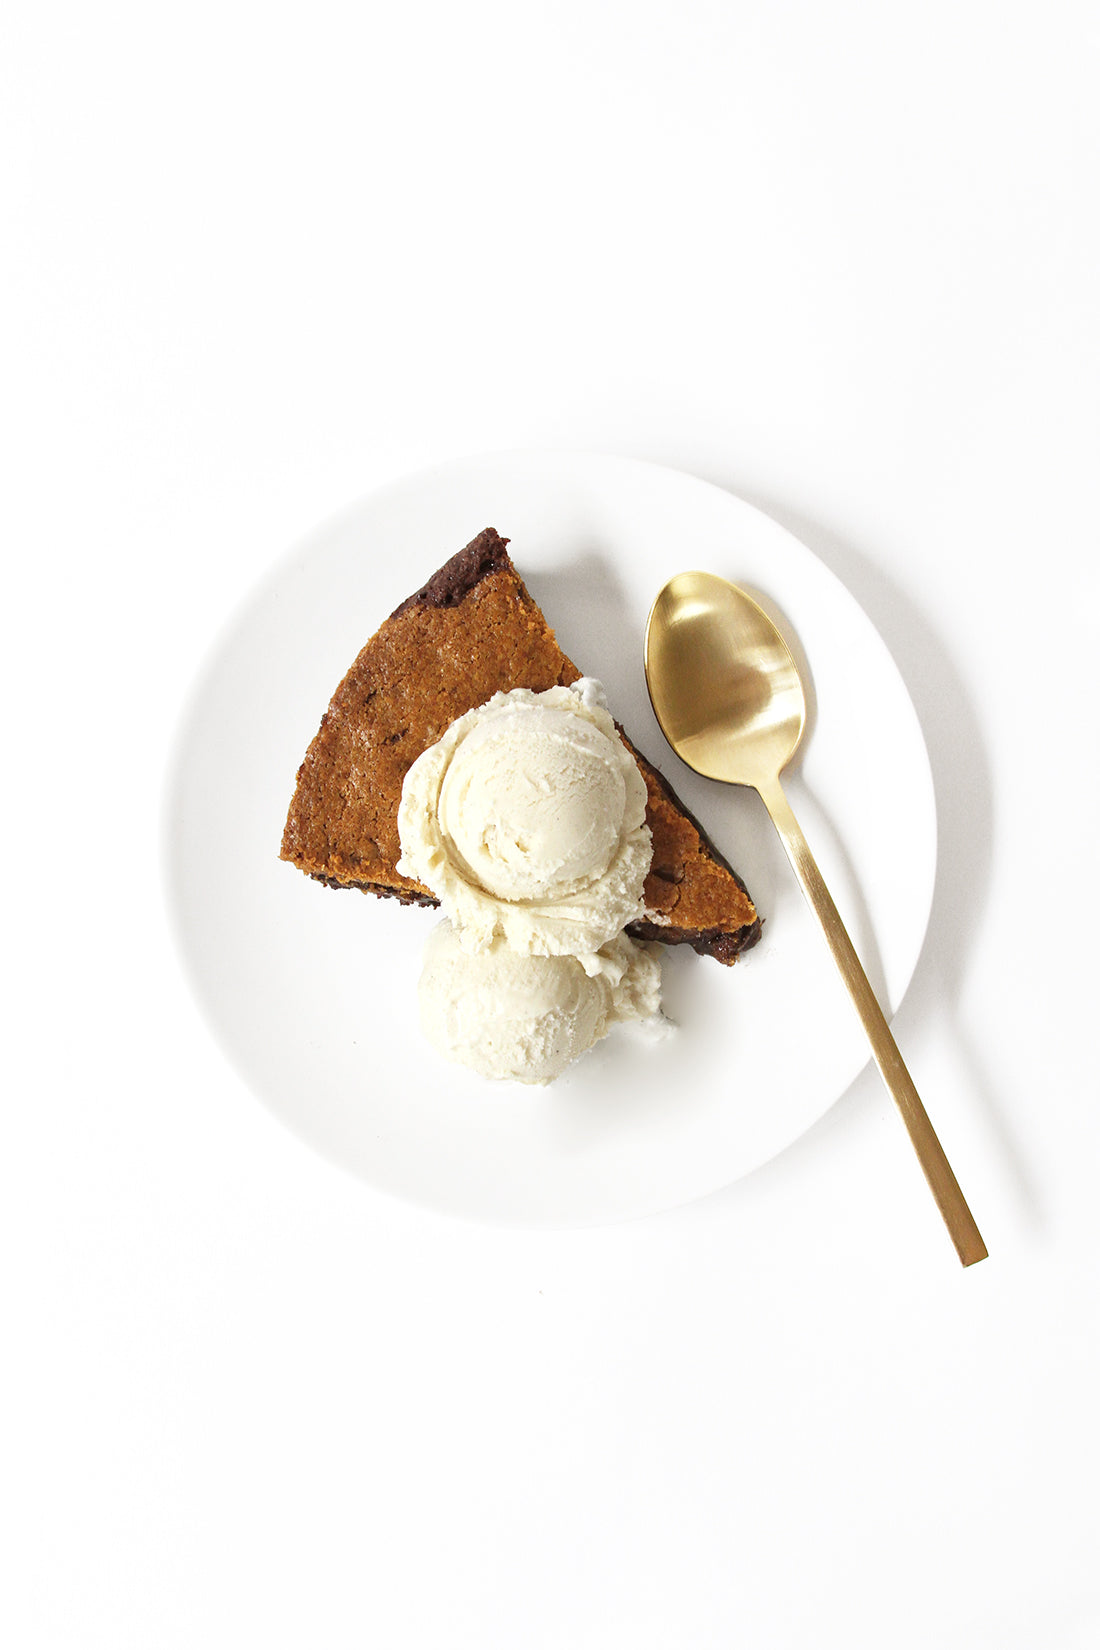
{"x":528,"y":1017}
{"x":532,"y":802}
{"x":527,"y":821}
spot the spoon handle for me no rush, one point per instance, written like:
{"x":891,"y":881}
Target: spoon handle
{"x":930,"y":1154}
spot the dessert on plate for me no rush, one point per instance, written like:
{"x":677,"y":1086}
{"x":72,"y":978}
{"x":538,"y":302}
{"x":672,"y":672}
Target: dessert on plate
{"x":471,"y":632}
{"x":465,"y":762}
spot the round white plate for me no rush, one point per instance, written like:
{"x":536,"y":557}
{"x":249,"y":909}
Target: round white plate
{"x":312,"y":992}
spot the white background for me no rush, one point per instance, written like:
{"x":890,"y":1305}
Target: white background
{"x":839,"y":258}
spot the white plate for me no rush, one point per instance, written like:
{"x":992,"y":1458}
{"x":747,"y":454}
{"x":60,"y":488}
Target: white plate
{"x":312,"y":992}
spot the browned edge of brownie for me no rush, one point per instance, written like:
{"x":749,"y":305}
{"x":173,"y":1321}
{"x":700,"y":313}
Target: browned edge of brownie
{"x":452,"y":582}
{"x":404,"y":896}
{"x":725,"y":945}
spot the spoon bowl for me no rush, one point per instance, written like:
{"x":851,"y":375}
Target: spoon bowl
{"x":723,"y":682}
{"x":727,"y":692}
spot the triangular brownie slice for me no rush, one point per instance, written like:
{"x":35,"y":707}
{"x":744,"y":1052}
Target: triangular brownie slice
{"x":474,"y":630}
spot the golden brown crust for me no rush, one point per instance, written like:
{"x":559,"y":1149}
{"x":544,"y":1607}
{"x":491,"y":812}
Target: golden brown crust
{"x":474,"y":630}
{"x":419,"y":673}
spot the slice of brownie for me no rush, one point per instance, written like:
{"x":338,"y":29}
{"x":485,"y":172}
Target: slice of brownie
{"x":474,"y":630}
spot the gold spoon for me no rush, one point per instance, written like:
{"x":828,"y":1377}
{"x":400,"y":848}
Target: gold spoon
{"x":730,"y":702}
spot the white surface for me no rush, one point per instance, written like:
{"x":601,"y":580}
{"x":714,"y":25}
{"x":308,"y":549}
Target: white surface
{"x":314,"y":998}
{"x":839,"y":259}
